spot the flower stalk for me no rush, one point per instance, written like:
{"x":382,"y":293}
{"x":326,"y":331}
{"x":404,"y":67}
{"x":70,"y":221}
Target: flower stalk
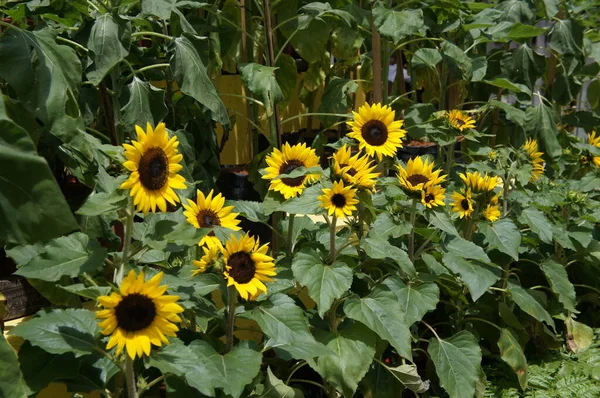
{"x":130,"y":377}
{"x":231,"y":306}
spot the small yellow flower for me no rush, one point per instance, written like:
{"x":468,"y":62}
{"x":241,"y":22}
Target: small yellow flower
{"x":462,"y":203}
{"x":595,"y":141}
{"x":535,"y":158}
{"x":356,"y":170}
{"x":460,"y":120}
{"x":492,"y":212}
{"x":433,"y":195}
{"x":211,"y":253}
{"x":286,"y":160}
{"x":480,"y":182}
{"x":339,"y":200}
{"x":419,"y":174}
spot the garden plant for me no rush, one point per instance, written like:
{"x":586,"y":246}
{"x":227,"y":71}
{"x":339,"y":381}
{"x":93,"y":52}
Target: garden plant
{"x":439,"y":238}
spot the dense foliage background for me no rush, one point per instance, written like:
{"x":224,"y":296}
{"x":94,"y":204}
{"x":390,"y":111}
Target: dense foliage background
{"x":417,"y":300}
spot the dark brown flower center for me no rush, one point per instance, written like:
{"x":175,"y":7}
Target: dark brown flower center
{"x":417,"y":179}
{"x":465,"y":204}
{"x":208,"y":219}
{"x":135,"y":312}
{"x":459,"y":122}
{"x":351,"y":171}
{"x":287,"y":168}
{"x":429,"y":198}
{"x":154,"y":169}
{"x":242,"y":267}
{"x":374,"y":132}
{"x":338,"y":200}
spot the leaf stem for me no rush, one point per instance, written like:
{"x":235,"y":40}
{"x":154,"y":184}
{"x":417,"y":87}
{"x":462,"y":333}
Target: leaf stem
{"x":432,"y":330}
{"x":290,"y":233}
{"x":73,"y":43}
{"x":308,"y":382}
{"x":156,"y":34}
{"x":130,"y":377}
{"x":284,"y":121}
{"x":332,"y":252}
{"x":150,"y":385}
{"x":126,"y":240}
{"x":295,"y":368}
{"x":154,"y":66}
{"x":482,"y":320}
{"x":231,"y":306}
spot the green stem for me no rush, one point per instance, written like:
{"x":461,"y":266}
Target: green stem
{"x":126,"y":240}
{"x":313,"y":114}
{"x":231,"y":306}
{"x":308,"y":382}
{"x":130,"y":377}
{"x":296,"y":367}
{"x":332,"y":252}
{"x":150,"y":385}
{"x":411,"y":237}
{"x":432,"y":330}
{"x":154,"y":66}
{"x":71,"y":42}
{"x":290,"y":233}
{"x":156,"y":34}
{"x":482,"y":320}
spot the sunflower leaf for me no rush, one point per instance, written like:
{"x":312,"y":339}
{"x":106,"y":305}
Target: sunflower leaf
{"x":287,"y":328}
{"x":416,"y":298}
{"x":381,"y":249}
{"x":65,"y":256}
{"x":275,"y":388}
{"x":477,"y":276}
{"x":325,"y":282}
{"x":62,"y":331}
{"x":512,"y":353}
{"x":11,"y":379}
{"x":503,"y":235}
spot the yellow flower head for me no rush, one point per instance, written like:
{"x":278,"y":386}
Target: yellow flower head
{"x":419,"y":174}
{"x":595,"y":141}
{"x":535,"y":158}
{"x":154,"y":162}
{"x":247,"y":266}
{"x":339,"y":200}
{"x":492,"y":212}
{"x":433,"y":195}
{"x":462,"y":203}
{"x":211,"y":253}
{"x":376,"y":131}
{"x":480,"y":182}
{"x":284,"y":162}
{"x":460,"y":120}
{"x":356,"y":170}
{"x":209,"y":212}
{"x":139,"y":315}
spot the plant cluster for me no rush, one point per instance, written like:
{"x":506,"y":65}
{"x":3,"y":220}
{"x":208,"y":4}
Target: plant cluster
{"x":384,"y":276}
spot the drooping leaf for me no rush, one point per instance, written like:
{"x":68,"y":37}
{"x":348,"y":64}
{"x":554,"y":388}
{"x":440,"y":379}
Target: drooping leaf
{"x":275,"y":388}
{"x":287,"y":76}
{"x":287,"y":328}
{"x":146,"y":104}
{"x":415,"y":298}
{"x":32,"y":207}
{"x":381,"y":249}
{"x":503,"y":235}
{"x":261,"y":81}
{"x":426,"y":57}
{"x":541,"y":122}
{"x":354,"y":349}
{"x":91,"y":292}
{"x":466,"y":249}
{"x":529,"y":304}
{"x":11,"y":379}
{"x":381,"y":312}
{"x":520,"y":32}
{"x":457,"y":60}
{"x":62,"y":331}
{"x":159,"y":8}
{"x":457,"y":363}
{"x":108,"y":43}
{"x":408,"y":376}
{"x":337,"y":99}
{"x":504,"y":83}
{"x":559,"y":282}
{"x":232,"y":371}
{"x":396,"y":25}
{"x":523,"y":65}
{"x":192,"y":77}
{"x":325,"y":282}
{"x":566,"y":37}
{"x":441,"y":221}
{"x":477,"y":276}
{"x":579,"y":335}
{"x":511,"y":352}
{"x":65,"y":256}
{"x":538,"y":223}
{"x":385,"y":227}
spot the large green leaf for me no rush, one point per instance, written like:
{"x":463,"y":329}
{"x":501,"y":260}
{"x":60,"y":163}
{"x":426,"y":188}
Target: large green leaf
{"x":416,"y":298}
{"x":516,"y":10}
{"x":354,"y":349}
{"x":301,"y":224}
{"x":385,"y":227}
{"x":529,"y":304}
{"x":108,"y":43}
{"x":523,"y":65}
{"x":325,"y":282}
{"x":426,"y":57}
{"x":511,"y":352}
{"x":538,"y":222}
{"x":579,"y":335}
{"x":159,"y":8}
{"x":32,"y":207}
{"x":541,"y":122}
{"x":253,"y":211}
{"x":65,"y":256}
{"x":337,"y":99}
{"x":441,"y":221}
{"x":521,"y":33}
{"x":396,"y":25}
{"x":559,"y":281}
{"x":193,"y":79}
{"x":477,"y":276}
{"x":382,"y":313}
{"x":62,"y":331}
{"x":458,"y":60}
{"x":146,"y":105}
{"x":457,"y":363}
{"x":466,"y":249}
{"x":261,"y":81}
{"x":566,"y":37}
{"x":287,"y":76}
{"x":232,"y":371}
{"x":287,"y":328}
{"x":275,"y":388}
{"x":180,"y":360}
{"x":503,"y":235}
{"x":11,"y":379}
{"x":380,"y":249}
{"x":41,"y":368}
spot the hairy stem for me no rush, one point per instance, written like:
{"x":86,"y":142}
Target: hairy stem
{"x":130,"y":377}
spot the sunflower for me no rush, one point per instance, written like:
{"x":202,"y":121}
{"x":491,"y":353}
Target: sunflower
{"x":286,"y":161}
{"x":480,"y":182}
{"x":462,"y":203}
{"x":154,"y":162}
{"x":492,"y":212}
{"x":376,"y":131}
{"x":140,"y":315}
{"x":535,"y":157}
{"x":433,"y":195}
{"x":595,"y":141}
{"x":356,"y":170}
{"x":339,"y":200}
{"x":211,"y":253}
{"x":460,"y":120}
{"x":247,"y":265}
{"x":208,"y":212}
{"x":419,"y":174}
